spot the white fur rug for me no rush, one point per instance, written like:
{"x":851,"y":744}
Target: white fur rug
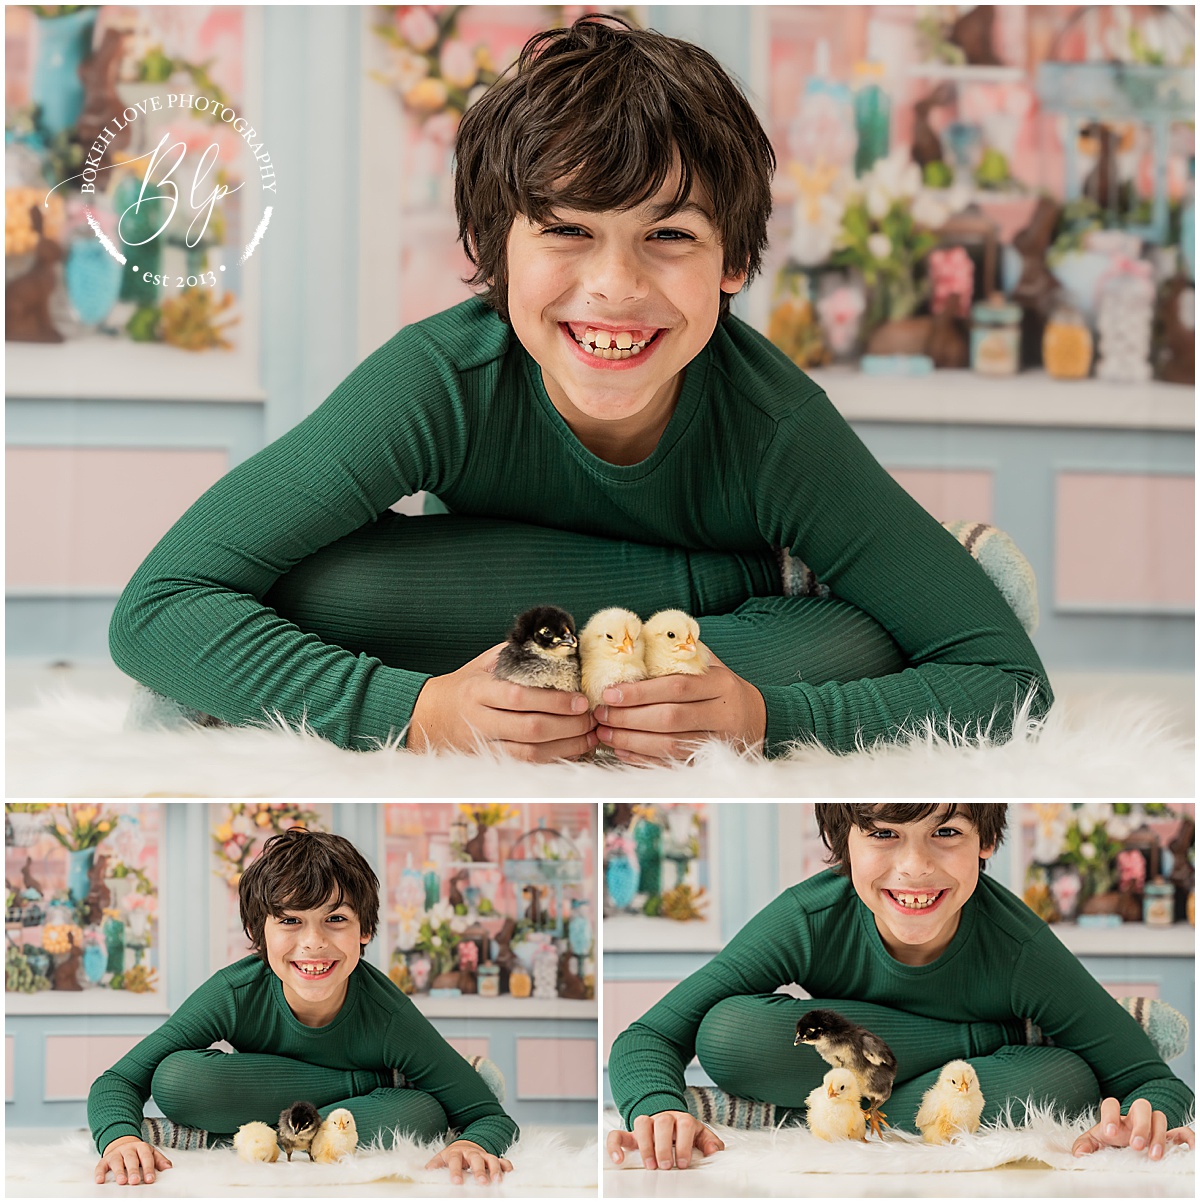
{"x":541,"y":1159}
{"x":1046,"y":1139}
{"x":73,"y":745}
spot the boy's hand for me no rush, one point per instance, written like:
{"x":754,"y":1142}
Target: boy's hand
{"x":658,"y":721}
{"x":665,"y":1140}
{"x":131,"y":1160}
{"x":1143,"y":1127}
{"x":461,"y":708}
{"x":485,"y":1166}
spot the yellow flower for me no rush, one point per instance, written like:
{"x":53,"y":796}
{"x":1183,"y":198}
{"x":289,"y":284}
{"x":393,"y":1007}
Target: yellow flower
{"x":103,"y":825}
{"x":85,"y":814}
{"x":263,"y":818}
{"x":224,"y":833}
{"x":427,"y":96}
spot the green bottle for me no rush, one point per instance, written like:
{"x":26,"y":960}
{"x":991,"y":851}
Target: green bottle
{"x":872,"y":117}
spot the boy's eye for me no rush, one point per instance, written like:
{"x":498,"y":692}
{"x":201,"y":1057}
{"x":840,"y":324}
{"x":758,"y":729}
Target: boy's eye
{"x":948,"y":831}
{"x":565,"y":231}
{"x":673,"y":236}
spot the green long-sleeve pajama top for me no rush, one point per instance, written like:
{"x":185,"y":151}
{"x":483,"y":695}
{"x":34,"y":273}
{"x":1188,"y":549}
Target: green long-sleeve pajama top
{"x":378,"y":1028}
{"x":754,"y":457}
{"x":1003,"y":964}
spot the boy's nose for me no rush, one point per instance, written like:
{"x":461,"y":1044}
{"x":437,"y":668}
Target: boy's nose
{"x":616,"y":276}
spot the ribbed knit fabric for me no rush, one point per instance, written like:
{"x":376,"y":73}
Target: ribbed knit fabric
{"x":753,"y":458}
{"x":348,"y":1062}
{"x":1003,"y":965}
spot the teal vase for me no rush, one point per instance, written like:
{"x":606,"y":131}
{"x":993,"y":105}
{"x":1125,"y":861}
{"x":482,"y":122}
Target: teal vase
{"x":79,"y":871}
{"x":93,"y":279}
{"x":62,"y":45}
{"x":621,"y":879}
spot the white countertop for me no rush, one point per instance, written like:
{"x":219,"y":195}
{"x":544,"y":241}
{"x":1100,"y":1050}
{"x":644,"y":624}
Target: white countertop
{"x":1028,"y":399}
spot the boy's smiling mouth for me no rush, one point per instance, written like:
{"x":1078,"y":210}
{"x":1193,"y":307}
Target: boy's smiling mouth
{"x":602,"y":345}
{"x":915,"y":902}
{"x":314,"y":970}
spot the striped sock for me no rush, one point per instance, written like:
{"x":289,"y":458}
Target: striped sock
{"x":711,"y":1105}
{"x":165,"y":1134}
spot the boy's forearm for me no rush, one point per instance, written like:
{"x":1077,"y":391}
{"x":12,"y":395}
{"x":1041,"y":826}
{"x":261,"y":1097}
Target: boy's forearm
{"x":844,"y":716}
{"x":494,"y":1133}
{"x":1170,"y":1096}
{"x":229,"y":656}
{"x":114,"y":1109}
{"x":645,"y":1074}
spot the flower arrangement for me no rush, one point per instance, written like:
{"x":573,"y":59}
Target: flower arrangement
{"x":438,"y":936}
{"x":85,"y":827}
{"x":491,"y":815}
{"x":235,"y":842}
{"x":1092,"y":848}
{"x":887,"y":233}
{"x":436,"y":73}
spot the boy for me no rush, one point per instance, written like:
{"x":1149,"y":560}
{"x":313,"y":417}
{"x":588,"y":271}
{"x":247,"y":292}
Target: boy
{"x":905,"y":937}
{"x":309,"y":1020}
{"x":602,"y":432}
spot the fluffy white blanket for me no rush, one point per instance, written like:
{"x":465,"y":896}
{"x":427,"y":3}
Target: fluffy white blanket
{"x":72,"y":745}
{"x":542,"y":1158}
{"x":1045,"y":1138}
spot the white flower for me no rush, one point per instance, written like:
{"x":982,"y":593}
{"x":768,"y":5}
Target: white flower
{"x":930,"y":210}
{"x":1087,"y":850}
{"x":1086,"y":824}
{"x":1119,"y":826}
{"x":459,"y":924}
{"x":435,"y":941}
{"x":878,"y":202}
{"x":880,"y":245}
{"x":242,"y":825}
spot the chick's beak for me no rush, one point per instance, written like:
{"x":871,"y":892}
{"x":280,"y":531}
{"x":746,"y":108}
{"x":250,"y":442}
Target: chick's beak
{"x":627,"y":643}
{"x":796,"y":1042}
{"x":964,"y":1085}
{"x":688,"y":645}
{"x":830,"y":1091}
{"x":570,"y":640}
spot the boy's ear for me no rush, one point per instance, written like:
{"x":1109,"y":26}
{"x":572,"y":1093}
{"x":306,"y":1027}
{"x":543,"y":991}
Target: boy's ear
{"x":984,"y":853}
{"x":733,"y":284}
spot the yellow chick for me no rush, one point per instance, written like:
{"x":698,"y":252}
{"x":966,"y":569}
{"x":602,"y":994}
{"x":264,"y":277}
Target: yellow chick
{"x":952,"y":1105}
{"x":336,"y":1138}
{"x":834,"y":1111}
{"x":672,"y":640}
{"x":256,"y":1142}
{"x":611,"y":651}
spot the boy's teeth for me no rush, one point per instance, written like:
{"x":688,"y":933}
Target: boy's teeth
{"x":606,"y":345}
{"x":314,"y":968}
{"x":916,"y":901}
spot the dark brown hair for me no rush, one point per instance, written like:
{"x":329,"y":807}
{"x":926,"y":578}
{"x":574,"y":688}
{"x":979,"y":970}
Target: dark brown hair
{"x":836,"y":818}
{"x":301,"y":870}
{"x":605,"y":112}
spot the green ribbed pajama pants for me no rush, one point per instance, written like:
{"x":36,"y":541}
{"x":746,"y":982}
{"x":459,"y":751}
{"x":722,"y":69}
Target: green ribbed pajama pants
{"x":220,"y":1091}
{"x":745,"y":1045}
{"x":430,"y":593}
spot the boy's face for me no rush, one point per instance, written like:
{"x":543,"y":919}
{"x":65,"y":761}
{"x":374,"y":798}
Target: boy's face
{"x":313,"y":954}
{"x":915,"y":879}
{"x":657,"y":279}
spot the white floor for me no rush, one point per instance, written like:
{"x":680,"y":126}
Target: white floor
{"x":26,"y":681}
{"x":1021,"y":1181}
{"x":169,"y":1185}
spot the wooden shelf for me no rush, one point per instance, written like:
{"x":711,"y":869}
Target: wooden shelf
{"x":1128,"y":940}
{"x":1029,"y":399}
{"x":472,"y":1006}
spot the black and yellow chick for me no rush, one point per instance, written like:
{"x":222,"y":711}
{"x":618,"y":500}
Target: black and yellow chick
{"x":542,"y":650}
{"x":842,"y":1043}
{"x":298,"y":1125}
